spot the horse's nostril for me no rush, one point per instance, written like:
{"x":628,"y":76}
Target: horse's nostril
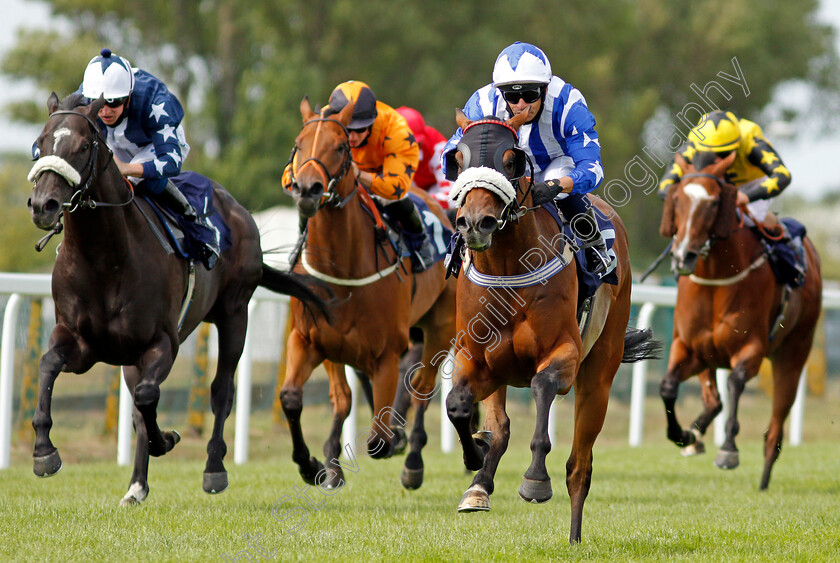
{"x":488,"y":224}
{"x":51,"y":206}
{"x":461,"y":224}
{"x":29,"y":203}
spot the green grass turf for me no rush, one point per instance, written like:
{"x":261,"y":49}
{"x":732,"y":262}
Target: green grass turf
{"x":645,"y":504}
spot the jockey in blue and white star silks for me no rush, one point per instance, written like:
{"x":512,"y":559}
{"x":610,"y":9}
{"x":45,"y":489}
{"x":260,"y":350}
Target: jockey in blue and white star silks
{"x":559,"y":137}
{"x":149,"y":130}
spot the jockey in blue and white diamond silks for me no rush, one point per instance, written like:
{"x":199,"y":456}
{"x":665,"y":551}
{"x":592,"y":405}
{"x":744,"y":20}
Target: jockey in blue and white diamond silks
{"x":559,"y":137}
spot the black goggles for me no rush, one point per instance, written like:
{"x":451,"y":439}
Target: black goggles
{"x":116,"y":102}
{"x":528,"y":96}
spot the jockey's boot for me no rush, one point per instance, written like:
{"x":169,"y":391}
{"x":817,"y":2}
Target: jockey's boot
{"x":596,"y":247}
{"x":408,"y":216}
{"x":176,"y":200}
{"x":580,"y":213}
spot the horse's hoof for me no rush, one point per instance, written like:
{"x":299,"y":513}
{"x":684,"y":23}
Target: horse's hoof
{"x":401,"y":440}
{"x":135,"y":495}
{"x":726,"y":459}
{"x":411,"y":479}
{"x":696,"y":447}
{"x":536,"y":492}
{"x":311,"y":471}
{"x":475,"y":499}
{"x":48,"y":465}
{"x":215,"y":483}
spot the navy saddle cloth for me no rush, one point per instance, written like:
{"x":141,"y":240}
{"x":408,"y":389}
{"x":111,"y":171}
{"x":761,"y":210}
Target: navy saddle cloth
{"x":208,"y":232}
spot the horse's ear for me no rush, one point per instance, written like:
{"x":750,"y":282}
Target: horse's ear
{"x":518,"y":120}
{"x":306,"y":110}
{"x":680,"y":161}
{"x":668,"y":227}
{"x":95,"y":106}
{"x":345,"y":116}
{"x":52,"y":103}
{"x":721,"y":167}
{"x":461,"y":119}
{"x":727,"y":215}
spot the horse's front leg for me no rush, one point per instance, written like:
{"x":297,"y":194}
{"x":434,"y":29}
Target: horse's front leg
{"x":682,"y":363}
{"x":497,"y":423}
{"x":711,"y":408}
{"x":460,"y":404}
{"x":742,"y":371}
{"x":382,"y":439}
{"x":154,"y":367}
{"x":64,"y":348}
{"x":341,"y":400}
{"x":301,"y":359}
{"x":558,"y":374}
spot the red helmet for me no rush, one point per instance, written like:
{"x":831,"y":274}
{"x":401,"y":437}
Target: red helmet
{"x":415,"y":122}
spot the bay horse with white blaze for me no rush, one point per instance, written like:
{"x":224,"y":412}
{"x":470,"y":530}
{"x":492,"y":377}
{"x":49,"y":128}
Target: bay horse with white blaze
{"x":531,"y":339}
{"x":119,"y":295}
{"x":377,"y":300}
{"x":731,"y":312}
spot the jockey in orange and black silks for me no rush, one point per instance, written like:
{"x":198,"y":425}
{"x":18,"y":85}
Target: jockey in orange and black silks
{"x":757,"y":170}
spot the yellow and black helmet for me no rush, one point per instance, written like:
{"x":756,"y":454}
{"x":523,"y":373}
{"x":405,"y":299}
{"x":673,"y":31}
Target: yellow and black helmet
{"x":364,"y":110}
{"x":717,"y":131}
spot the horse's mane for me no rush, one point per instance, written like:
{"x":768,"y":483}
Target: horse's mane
{"x":74,"y":100}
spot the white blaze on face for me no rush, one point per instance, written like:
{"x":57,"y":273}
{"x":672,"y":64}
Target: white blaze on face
{"x":696,"y":195}
{"x":58,"y":135}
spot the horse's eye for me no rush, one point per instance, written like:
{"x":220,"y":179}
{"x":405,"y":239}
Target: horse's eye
{"x":85,"y":147}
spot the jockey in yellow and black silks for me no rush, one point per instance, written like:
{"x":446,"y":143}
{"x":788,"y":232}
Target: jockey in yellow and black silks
{"x":757,"y":170}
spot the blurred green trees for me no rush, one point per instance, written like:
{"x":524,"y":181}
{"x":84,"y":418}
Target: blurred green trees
{"x":241,"y":68}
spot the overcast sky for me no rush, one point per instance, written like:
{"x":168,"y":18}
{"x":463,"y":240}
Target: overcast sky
{"x":809,"y":160}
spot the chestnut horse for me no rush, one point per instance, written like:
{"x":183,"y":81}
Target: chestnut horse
{"x":377,"y":300}
{"x":528,"y":336}
{"x":118,"y":293}
{"x":731,"y":312}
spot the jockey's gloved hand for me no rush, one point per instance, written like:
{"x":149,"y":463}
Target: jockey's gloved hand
{"x":544,"y":192}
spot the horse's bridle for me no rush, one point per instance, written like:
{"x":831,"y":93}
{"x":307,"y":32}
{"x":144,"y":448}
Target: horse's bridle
{"x":81,"y":197}
{"x":707,"y":246}
{"x":330,"y":196}
{"x":514,"y":210}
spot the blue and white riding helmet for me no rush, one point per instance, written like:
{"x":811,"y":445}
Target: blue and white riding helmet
{"x":108,"y":75}
{"x":521,"y":63}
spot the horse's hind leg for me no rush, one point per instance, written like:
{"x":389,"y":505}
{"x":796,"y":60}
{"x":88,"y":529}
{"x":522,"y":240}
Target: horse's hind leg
{"x":711,"y":408}
{"x":340,"y":398}
{"x":154,"y":367}
{"x":787,"y":370}
{"x":231,"y":326}
{"x":300,"y":361}
{"x":497,"y":423}
{"x":138,"y":487}
{"x":419,"y":383}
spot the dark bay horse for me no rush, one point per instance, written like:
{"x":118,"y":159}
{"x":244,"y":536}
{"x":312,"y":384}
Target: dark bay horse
{"x":528,"y":335}
{"x":377,"y":300}
{"x":118,"y":294}
{"x":731,"y":312}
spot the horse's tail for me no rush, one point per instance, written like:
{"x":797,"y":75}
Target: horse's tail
{"x":294,"y":285}
{"x":639,"y":345}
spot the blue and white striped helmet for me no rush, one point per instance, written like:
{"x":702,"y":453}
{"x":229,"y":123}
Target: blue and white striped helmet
{"x":521,"y":63}
{"x":109,"y":76}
